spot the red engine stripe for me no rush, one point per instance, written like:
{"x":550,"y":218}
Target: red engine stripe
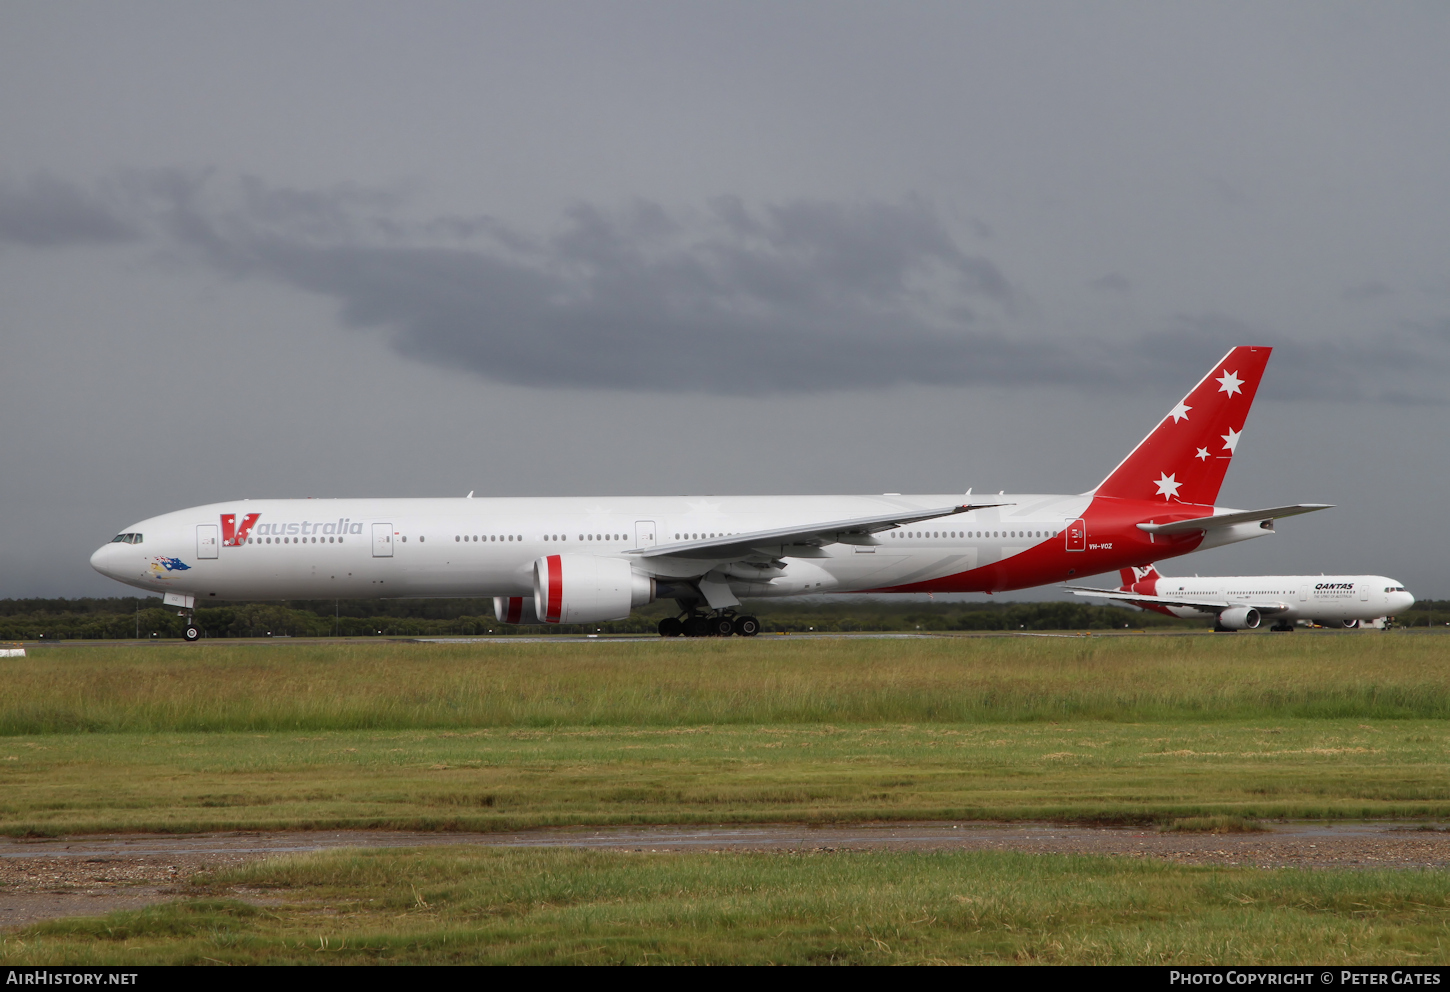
{"x":516,"y":609}
{"x":556,"y":588}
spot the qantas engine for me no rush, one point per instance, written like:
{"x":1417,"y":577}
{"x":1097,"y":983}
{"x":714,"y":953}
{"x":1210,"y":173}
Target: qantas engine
{"x":515,"y":609}
{"x":1239,"y":618}
{"x":588,"y":588}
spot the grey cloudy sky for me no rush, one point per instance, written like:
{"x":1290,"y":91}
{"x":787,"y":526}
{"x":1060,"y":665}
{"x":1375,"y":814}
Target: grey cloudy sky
{"x":352,"y":249}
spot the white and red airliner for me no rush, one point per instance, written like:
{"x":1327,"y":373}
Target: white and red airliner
{"x":1242,"y":602}
{"x":587,"y":559}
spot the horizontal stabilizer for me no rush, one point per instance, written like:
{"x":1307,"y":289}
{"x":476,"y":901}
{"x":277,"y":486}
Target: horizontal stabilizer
{"x":1221,"y":520}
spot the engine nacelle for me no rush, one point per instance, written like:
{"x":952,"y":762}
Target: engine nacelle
{"x":515,"y":609}
{"x":1239,"y":618}
{"x":588,"y":588}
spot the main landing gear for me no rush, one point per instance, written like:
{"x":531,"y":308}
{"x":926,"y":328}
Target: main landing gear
{"x":722,"y":624}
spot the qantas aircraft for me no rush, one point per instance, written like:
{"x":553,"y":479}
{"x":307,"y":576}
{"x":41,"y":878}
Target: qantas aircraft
{"x":587,"y":559}
{"x":1240,"y":602}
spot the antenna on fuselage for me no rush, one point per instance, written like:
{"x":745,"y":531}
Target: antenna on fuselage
{"x":470,"y":494}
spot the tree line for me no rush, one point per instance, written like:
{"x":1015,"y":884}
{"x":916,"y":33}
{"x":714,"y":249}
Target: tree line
{"x":145,"y":618}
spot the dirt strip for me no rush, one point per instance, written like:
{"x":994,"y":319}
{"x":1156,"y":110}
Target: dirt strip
{"x":45,"y":879}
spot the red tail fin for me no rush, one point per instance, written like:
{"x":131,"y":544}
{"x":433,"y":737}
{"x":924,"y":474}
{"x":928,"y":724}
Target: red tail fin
{"x":1140,"y":578}
{"x":1185,"y":457}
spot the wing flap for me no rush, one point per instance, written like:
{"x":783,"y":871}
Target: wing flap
{"x":1207,"y":605}
{"x":809,"y":538}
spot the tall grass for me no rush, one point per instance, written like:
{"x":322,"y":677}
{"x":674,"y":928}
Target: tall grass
{"x":415,"y":686}
{"x":462,"y":905}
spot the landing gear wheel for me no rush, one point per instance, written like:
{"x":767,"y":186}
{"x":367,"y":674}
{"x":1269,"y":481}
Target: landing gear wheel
{"x":192,"y":634}
{"x":671,"y":627}
{"x":746,"y":626}
{"x":721,"y":626}
{"x":1283,"y":628}
{"x":697,"y":627}
{"x":1222,"y":630}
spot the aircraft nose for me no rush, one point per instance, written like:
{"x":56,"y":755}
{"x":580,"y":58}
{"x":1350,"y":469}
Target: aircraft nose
{"x":1404,"y":600}
{"x":100,"y":561}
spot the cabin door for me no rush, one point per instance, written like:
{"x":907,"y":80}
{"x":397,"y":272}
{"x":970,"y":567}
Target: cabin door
{"x":382,"y":540}
{"x":206,"y":540}
{"x":1076,"y":534}
{"x":644,"y":533}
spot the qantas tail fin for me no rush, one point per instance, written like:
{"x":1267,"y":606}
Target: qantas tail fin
{"x":1185,"y":457}
{"x":1140,"y":578}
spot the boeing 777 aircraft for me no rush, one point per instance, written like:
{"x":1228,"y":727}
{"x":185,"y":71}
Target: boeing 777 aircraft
{"x":586,"y":559}
{"x":1240,"y":602}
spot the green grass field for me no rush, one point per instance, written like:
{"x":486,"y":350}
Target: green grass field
{"x":1203,"y":732}
{"x":361,"y":686}
{"x":503,"y":736}
{"x":500,"y":779}
{"x":461,"y":905}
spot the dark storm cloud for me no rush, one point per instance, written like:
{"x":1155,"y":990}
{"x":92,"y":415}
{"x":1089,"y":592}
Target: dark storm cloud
{"x":1113,"y":282}
{"x":806,"y":295}
{"x":1372,"y":290}
{"x":45,"y":212}
{"x":801,"y":295}
{"x":1358,"y":371}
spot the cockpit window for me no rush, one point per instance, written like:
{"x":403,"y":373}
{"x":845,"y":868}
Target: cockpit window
{"x":126,"y":539}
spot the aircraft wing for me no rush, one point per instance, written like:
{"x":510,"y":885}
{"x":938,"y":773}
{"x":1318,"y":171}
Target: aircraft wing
{"x":1221,"y":520}
{"x":1207,"y":605}
{"x":804,"y":538}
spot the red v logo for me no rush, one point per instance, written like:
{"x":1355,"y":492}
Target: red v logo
{"x":232,"y":535}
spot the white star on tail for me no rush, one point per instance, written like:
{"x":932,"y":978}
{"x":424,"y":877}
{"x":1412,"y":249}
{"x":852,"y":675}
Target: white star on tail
{"x":1231,"y":439}
{"x":1229,"y":383}
{"x":1168,"y":485}
{"x":1202,"y":454}
{"x":1180,"y":412}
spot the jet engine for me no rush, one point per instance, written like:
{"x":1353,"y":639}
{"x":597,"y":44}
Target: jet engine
{"x":588,"y":588}
{"x":515,"y":609}
{"x":1239,"y":618}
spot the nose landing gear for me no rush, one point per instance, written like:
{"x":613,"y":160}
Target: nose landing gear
{"x":186,"y":609}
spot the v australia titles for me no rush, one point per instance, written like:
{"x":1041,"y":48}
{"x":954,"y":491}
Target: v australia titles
{"x":343,"y":525}
{"x":235,"y":533}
